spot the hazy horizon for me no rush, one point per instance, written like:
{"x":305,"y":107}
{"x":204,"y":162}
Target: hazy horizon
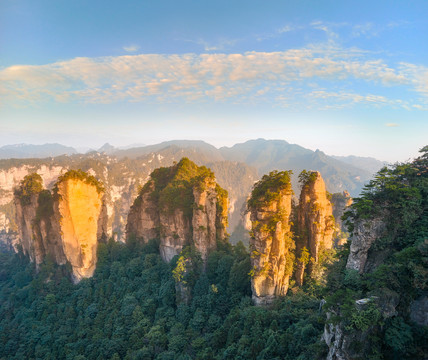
{"x":324,"y":75}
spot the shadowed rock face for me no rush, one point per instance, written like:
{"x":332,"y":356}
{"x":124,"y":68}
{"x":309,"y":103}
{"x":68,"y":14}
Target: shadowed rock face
{"x":143,"y":218}
{"x":315,"y":224}
{"x":180,"y":205}
{"x":271,"y":244}
{"x":25,"y":216}
{"x":364,"y":235}
{"x":175,"y":234}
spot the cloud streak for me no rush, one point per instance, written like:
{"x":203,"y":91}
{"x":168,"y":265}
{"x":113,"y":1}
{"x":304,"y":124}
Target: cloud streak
{"x":252,"y":76}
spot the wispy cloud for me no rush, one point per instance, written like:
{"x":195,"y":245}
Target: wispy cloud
{"x":219,"y":45}
{"x":131,"y":48}
{"x":252,"y":76}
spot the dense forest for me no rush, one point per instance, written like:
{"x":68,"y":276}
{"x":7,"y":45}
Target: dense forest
{"x":129,"y":308}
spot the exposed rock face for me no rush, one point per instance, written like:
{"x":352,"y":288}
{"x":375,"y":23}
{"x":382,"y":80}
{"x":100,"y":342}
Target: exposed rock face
{"x":340,"y":203}
{"x":25,"y":216}
{"x":271,"y":244}
{"x":175,"y":233}
{"x":66,"y":226}
{"x":82,"y":222}
{"x":204,"y":217}
{"x":315,"y":224}
{"x":143,"y":218}
{"x":364,"y":235}
{"x":181,"y":205}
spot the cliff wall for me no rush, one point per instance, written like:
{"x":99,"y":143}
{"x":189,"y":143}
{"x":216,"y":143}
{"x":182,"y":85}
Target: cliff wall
{"x":180,"y":205}
{"x":67,"y":225}
{"x":315,"y":224}
{"x":271,"y":243}
{"x":82,"y":220}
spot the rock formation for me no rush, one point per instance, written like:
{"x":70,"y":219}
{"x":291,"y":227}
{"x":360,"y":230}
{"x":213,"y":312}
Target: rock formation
{"x":26,"y":202}
{"x":340,"y":202}
{"x":180,"y":205}
{"x":315,"y":223}
{"x":364,"y":234}
{"x":66,"y":225}
{"x":82,"y":220}
{"x":271,"y":241}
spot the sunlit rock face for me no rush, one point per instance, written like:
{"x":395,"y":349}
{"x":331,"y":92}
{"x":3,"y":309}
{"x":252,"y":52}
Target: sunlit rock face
{"x":204,"y":217}
{"x":271,"y":243}
{"x":82,"y":223}
{"x":65,"y":225}
{"x":180,"y":205}
{"x":315,"y":224}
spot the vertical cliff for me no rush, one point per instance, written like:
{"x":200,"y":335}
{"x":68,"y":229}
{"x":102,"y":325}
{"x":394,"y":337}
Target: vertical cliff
{"x":340,"y":202}
{"x":26,"y":202}
{"x":379,"y":305}
{"x":315,"y":223}
{"x":79,"y":202}
{"x":271,"y":243}
{"x":66,"y":225}
{"x":143,"y":218}
{"x":181,"y":205}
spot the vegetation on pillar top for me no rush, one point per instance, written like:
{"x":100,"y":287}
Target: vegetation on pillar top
{"x":172,"y":187}
{"x":269,"y":188}
{"x":32,"y":184}
{"x":399,"y":190}
{"x":79,"y":175}
{"x":307,"y":177}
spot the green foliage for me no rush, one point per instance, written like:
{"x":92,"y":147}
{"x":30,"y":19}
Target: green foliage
{"x":79,"y":175}
{"x":307,"y":177}
{"x":128,"y":311}
{"x":172,"y":187}
{"x":397,"y":196}
{"x":32,"y":184}
{"x":45,"y":205}
{"x":269,"y":188}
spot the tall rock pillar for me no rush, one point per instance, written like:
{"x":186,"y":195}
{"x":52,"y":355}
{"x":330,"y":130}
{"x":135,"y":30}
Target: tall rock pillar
{"x":271,"y":242}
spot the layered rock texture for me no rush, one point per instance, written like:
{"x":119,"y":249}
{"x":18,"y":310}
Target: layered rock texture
{"x":82,"y":221}
{"x":271,"y":243}
{"x":65,"y":225}
{"x":315,"y":224}
{"x":364,"y":235}
{"x":180,"y":205}
{"x":341,"y":202}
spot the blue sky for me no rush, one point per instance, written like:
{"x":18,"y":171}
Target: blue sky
{"x":343,"y":76}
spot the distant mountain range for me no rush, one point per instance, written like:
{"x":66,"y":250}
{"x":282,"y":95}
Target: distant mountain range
{"x":341,"y":172}
{"x":24,"y":151}
{"x":122,"y":171}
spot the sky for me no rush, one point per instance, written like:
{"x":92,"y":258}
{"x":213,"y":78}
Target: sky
{"x":345,"y":77}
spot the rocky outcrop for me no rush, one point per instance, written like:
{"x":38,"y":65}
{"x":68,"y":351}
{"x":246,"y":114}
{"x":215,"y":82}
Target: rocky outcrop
{"x":271,"y":244}
{"x":364,"y":234}
{"x":25,"y":216}
{"x":175,"y":233}
{"x":315,"y":224}
{"x":340,"y":202}
{"x":143,"y":218}
{"x":82,"y":223}
{"x":180,"y":205}
{"x":66,"y":225}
